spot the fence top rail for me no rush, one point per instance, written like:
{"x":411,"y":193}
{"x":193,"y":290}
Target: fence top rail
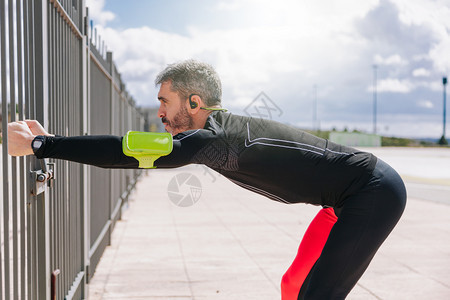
{"x":106,"y":64}
{"x":67,"y":18}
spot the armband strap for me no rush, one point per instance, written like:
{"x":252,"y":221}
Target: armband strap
{"x":147,"y":147}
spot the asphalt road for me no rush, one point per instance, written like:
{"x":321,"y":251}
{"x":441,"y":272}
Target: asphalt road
{"x":429,"y":192}
{"x":426,"y":171}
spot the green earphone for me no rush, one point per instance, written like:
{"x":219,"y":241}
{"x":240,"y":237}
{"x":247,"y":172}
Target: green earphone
{"x":195,"y":104}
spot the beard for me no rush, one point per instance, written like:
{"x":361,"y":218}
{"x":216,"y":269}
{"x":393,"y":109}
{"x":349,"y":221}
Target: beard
{"x":182,"y":121}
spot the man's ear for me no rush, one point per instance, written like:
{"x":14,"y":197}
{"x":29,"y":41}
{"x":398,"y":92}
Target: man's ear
{"x":195,"y":102}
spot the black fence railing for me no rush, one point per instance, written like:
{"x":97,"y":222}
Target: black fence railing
{"x":53,"y":232}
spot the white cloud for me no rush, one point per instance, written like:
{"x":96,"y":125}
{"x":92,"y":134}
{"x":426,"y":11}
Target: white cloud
{"x":248,"y":60}
{"x":425,"y":104}
{"x":308,"y":41}
{"x":393,"y":60}
{"x":229,"y":5}
{"x":440,"y":55}
{"x":421,"y":72}
{"x":393,"y":85}
{"x":421,"y":12}
{"x":435,"y":15}
{"x":97,"y":14}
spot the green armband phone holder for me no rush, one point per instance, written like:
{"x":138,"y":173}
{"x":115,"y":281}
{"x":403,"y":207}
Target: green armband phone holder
{"x":147,"y":147}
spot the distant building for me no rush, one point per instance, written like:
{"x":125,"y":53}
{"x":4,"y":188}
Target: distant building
{"x":355,"y":139}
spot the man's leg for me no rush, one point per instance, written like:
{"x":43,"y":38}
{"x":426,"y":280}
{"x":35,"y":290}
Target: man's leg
{"x":308,"y":252}
{"x":365,"y":221}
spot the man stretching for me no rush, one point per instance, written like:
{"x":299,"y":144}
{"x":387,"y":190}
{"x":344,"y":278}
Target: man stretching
{"x":363,"y":197}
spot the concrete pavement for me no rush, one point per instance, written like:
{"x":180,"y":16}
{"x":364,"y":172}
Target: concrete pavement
{"x":234,"y":244}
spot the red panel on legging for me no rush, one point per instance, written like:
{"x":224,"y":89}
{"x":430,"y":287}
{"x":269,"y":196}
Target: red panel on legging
{"x":308,"y":252}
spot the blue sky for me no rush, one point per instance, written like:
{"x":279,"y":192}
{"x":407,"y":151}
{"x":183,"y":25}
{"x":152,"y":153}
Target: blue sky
{"x":284,"y":48}
{"x":171,"y":15}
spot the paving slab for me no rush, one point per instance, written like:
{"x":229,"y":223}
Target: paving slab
{"x":234,"y":244}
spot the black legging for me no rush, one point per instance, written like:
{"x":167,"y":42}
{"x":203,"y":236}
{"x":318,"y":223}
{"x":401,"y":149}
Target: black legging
{"x":364,"y":222}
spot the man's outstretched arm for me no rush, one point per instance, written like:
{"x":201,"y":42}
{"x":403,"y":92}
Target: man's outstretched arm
{"x":99,"y":150}
{"x":102,"y":151}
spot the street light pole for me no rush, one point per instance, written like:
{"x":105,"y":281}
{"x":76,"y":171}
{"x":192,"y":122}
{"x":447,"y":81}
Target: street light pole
{"x":444,"y":82}
{"x":374,"y":99}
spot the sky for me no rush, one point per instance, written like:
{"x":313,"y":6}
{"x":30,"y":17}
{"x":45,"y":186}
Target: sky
{"x":312,"y":60}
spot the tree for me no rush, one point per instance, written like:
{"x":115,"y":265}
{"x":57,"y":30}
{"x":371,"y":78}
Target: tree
{"x":443,"y":141}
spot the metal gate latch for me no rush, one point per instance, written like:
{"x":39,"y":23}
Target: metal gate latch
{"x":41,"y":177}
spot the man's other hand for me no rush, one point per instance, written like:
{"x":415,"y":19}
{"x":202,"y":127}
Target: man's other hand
{"x":20,"y":137}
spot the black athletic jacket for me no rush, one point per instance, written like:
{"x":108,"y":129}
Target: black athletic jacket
{"x":272,"y":159}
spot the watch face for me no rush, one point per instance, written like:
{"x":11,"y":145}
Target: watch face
{"x":37,"y":144}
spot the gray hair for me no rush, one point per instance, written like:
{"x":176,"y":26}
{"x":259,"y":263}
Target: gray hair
{"x":193,"y":77}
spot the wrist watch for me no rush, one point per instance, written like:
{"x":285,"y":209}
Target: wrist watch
{"x":37,"y":143}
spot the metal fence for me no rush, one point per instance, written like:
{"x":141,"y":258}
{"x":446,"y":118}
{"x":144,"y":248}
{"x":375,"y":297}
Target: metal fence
{"x":54,"y":231}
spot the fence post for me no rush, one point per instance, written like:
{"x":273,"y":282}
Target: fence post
{"x":112,"y":174}
{"x":86,"y":179}
{"x":41,"y":106}
{"x":5,"y":158}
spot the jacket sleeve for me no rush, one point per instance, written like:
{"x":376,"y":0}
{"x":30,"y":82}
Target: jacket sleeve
{"x":105,"y":151}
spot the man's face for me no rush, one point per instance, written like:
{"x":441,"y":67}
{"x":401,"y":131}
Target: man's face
{"x":173,"y":110}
